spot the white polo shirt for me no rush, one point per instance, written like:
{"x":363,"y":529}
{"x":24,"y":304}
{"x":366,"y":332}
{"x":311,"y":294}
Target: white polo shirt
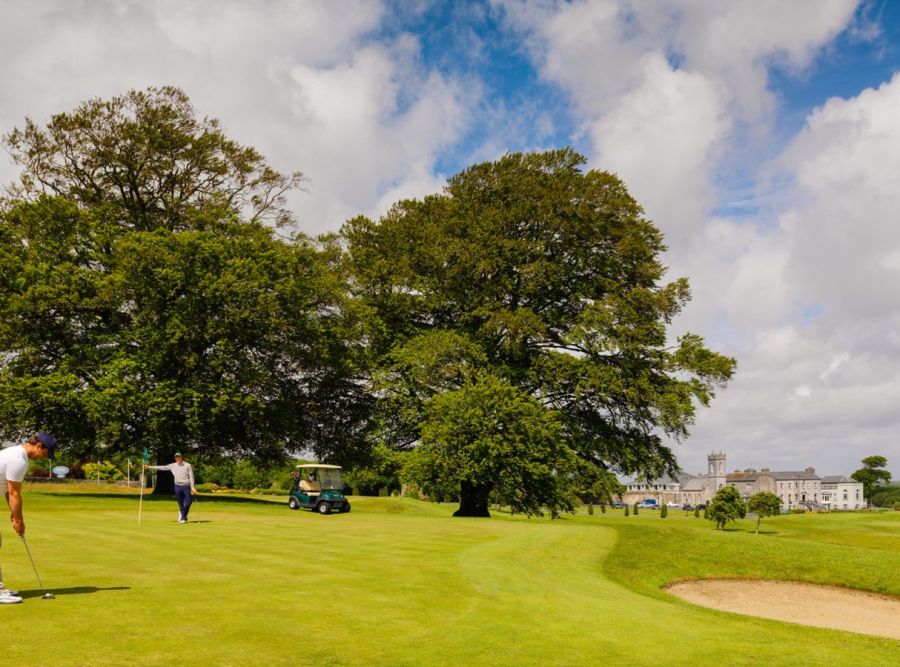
{"x":13,"y":465}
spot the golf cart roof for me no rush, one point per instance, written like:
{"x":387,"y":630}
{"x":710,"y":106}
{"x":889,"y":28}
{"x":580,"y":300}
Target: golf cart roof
{"x":318,"y":465}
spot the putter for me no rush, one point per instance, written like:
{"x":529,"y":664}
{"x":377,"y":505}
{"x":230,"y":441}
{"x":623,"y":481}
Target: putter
{"x":46,"y":595}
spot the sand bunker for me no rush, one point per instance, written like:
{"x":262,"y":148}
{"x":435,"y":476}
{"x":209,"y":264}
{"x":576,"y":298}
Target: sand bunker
{"x":809,"y":604}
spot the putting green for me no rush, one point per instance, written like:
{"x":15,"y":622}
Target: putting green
{"x":395,"y":582}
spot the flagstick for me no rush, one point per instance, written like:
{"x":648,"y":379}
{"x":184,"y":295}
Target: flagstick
{"x":141,"y":503}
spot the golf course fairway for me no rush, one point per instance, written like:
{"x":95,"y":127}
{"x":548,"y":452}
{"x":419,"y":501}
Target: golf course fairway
{"x":400,"y":582}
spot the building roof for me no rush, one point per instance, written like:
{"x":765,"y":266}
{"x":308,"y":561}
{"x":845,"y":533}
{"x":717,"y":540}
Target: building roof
{"x":793,"y":474}
{"x":745,"y":476}
{"x":695,"y":483}
{"x":640,"y":481}
{"x":838,"y":479}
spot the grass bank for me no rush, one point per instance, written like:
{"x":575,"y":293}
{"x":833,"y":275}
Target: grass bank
{"x":399,"y":582}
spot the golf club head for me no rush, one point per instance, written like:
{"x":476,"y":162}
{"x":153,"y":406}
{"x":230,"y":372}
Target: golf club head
{"x":48,"y":596}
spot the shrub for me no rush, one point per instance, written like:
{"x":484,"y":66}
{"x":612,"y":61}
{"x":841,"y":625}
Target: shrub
{"x":207,"y":487}
{"x":626,"y":510}
{"x":104,"y":470}
{"x":248,"y":476}
{"x":603,"y":508}
{"x":663,"y":511}
{"x":218,"y":472}
{"x":635,"y":509}
{"x":697,"y":512}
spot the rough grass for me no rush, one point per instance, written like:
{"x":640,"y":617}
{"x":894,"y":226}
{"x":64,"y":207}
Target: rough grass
{"x":399,"y":582}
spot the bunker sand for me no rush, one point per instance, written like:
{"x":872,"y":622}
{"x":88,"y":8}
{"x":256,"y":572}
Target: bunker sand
{"x":808,"y":604}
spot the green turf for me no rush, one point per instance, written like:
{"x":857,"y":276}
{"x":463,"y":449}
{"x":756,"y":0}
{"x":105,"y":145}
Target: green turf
{"x":399,"y":582}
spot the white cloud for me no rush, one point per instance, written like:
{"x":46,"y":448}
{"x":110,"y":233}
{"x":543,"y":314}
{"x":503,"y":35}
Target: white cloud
{"x":305,"y":83}
{"x":826,"y":389}
{"x":659,"y":137}
{"x":675,"y":98}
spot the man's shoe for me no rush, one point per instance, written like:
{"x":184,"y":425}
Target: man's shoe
{"x":6,"y":591}
{"x":9,"y":599}
{"x":182,"y":520}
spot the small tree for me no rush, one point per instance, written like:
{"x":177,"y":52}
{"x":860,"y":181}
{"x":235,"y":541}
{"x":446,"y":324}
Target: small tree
{"x":728,"y":505}
{"x":663,"y":511}
{"x":635,"y":509}
{"x":626,"y":510}
{"x":764,"y":503}
{"x":871,"y":476}
{"x":697,"y":512}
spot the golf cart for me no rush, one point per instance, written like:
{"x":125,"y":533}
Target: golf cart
{"x":318,"y":486}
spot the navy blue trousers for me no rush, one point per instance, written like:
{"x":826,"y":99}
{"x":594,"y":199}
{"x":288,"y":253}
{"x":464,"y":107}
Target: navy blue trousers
{"x":183,"y":496}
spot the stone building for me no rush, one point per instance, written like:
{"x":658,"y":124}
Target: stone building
{"x":797,"y":489}
{"x":840,"y":492}
{"x":682,"y":489}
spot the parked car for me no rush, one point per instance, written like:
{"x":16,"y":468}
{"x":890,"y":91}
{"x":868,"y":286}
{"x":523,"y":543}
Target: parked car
{"x":618,"y":504}
{"x":648,"y":504}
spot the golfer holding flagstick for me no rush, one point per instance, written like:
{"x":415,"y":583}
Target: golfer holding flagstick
{"x":13,"y":466}
{"x":184,"y":483}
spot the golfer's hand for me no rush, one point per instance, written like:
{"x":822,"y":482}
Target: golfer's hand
{"x":193,"y":491}
{"x":18,"y":526}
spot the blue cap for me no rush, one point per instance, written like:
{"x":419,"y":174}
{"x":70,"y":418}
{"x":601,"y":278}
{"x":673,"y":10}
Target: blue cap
{"x":48,"y":441}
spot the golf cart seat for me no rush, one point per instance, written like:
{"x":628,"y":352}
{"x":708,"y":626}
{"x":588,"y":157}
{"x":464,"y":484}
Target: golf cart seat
{"x":310,"y":487}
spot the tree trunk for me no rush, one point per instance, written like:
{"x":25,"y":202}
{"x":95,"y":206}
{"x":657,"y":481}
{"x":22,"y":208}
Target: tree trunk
{"x":165,"y":482}
{"x":473,"y":500}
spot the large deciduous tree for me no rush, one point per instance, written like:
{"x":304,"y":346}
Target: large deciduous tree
{"x":871,"y":475}
{"x":147,"y":161}
{"x":143,"y":302}
{"x":547,"y":278}
{"x":492,"y":437}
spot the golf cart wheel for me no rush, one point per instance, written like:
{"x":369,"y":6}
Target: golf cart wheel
{"x":346,"y":507}
{"x":324,"y":508}
{"x":293,"y":503}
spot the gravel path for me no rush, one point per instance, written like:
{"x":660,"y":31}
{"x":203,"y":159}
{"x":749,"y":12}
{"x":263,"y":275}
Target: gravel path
{"x":808,"y":604}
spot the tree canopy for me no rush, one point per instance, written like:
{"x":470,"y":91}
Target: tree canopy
{"x":146,"y":161}
{"x":727,"y":505}
{"x":547,"y":278}
{"x":763,"y":504}
{"x":143,"y":302}
{"x":871,"y":475}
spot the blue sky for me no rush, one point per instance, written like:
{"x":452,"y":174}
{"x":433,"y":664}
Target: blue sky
{"x":760,"y":136}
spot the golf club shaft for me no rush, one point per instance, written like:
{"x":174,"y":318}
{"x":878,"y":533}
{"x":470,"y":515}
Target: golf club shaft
{"x":34,"y":567}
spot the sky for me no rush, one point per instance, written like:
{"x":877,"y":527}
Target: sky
{"x":761,"y":136}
